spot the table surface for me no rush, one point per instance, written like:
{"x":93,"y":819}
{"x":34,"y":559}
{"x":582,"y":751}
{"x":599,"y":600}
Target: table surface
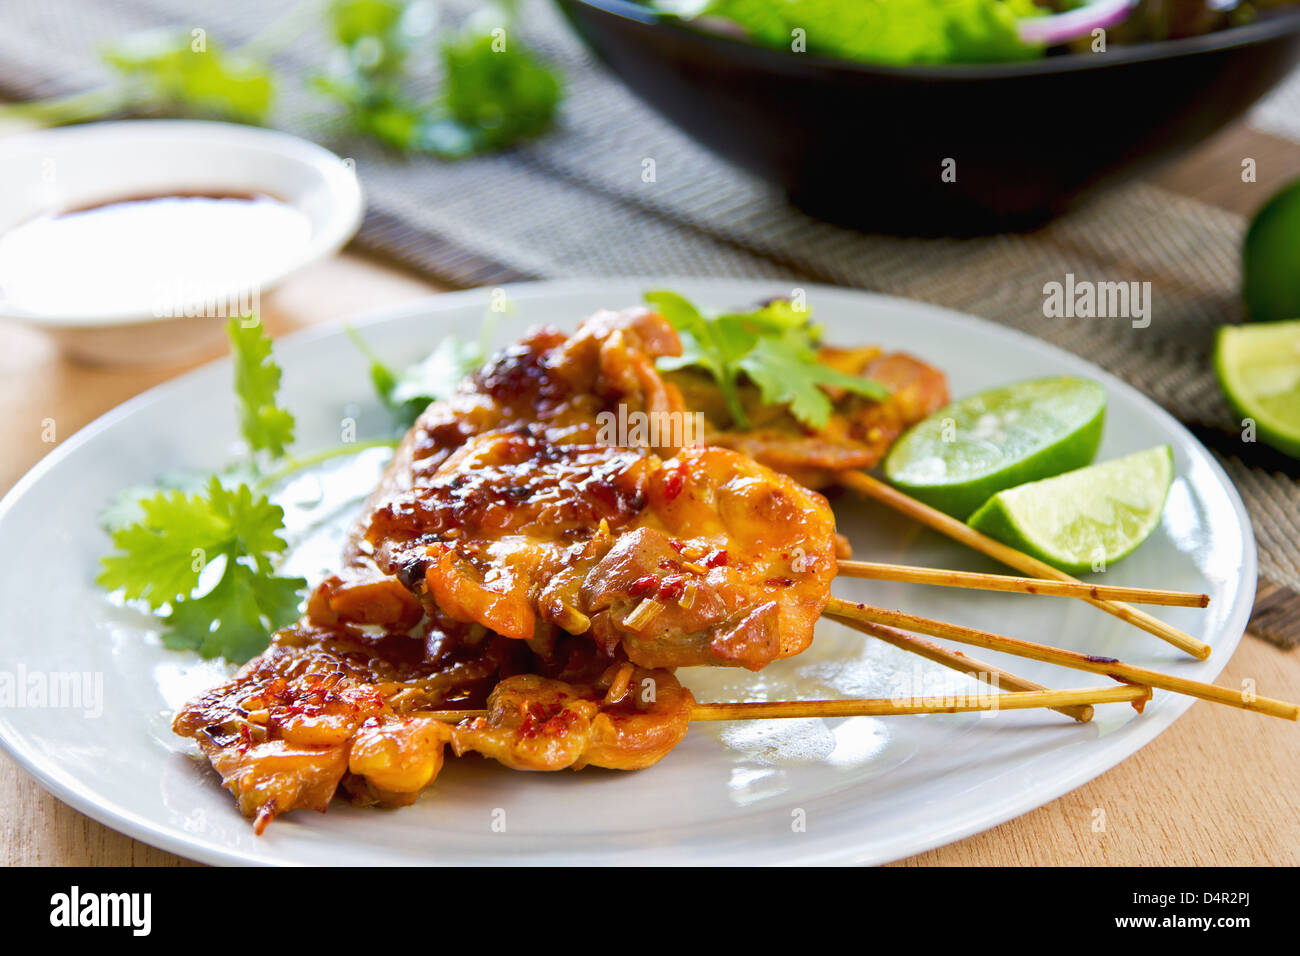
{"x":1219,"y":787}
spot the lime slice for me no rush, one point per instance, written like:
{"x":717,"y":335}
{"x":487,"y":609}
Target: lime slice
{"x":1083,"y":520}
{"x":965,"y":453}
{"x":1259,"y":371}
{"x":1270,"y":262}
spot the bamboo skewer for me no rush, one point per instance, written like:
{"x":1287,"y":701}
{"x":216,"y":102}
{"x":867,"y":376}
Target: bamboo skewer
{"x":1027,"y":564}
{"x":966,"y":665}
{"x":853,"y":614}
{"x":975,"y":580}
{"x":885,"y":707}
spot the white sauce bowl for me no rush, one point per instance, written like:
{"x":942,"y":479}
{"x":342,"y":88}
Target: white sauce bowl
{"x":50,"y":171}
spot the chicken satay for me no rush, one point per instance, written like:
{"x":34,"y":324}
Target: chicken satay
{"x":333,"y":707}
{"x":703,"y":558}
{"x":555,"y":385}
{"x":627,"y":719}
{"x":859,"y":433}
{"x":325,"y":702}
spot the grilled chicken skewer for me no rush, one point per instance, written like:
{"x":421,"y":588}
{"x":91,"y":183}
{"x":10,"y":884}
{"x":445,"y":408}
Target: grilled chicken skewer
{"x":512,"y":506}
{"x":517,"y":561}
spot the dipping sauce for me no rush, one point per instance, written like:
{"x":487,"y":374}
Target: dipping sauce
{"x":191,"y":254}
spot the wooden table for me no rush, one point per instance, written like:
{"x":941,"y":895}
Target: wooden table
{"x":1219,"y":787}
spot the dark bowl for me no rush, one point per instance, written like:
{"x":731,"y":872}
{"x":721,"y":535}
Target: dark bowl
{"x":865,"y":145}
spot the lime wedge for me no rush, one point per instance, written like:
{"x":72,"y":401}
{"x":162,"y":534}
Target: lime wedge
{"x":1259,"y":371}
{"x":1083,"y":520}
{"x":965,"y":453}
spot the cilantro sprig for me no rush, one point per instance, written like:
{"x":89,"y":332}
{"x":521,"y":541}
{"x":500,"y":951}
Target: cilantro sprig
{"x":161,"y":559}
{"x":266,"y":426}
{"x":494,"y":92}
{"x":206,"y":554}
{"x":168,"y":72}
{"x":408,"y":392}
{"x":774,"y":347}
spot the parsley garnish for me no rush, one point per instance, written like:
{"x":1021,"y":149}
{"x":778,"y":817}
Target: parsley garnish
{"x":266,"y":426}
{"x":774,"y":347}
{"x":494,"y":92}
{"x":173,"y":71}
{"x":407,"y":393}
{"x":161,"y":558}
{"x":169,"y":543}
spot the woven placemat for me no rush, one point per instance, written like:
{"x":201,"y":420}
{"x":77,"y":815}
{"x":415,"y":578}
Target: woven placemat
{"x":574,"y":203}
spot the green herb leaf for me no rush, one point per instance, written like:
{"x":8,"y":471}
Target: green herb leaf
{"x":266,"y":426}
{"x":786,"y":373}
{"x":409,"y":392}
{"x":713,"y":346}
{"x":775,"y":347}
{"x":236,"y":618}
{"x":161,"y":559}
{"x":173,"y":70}
{"x":496,"y":94}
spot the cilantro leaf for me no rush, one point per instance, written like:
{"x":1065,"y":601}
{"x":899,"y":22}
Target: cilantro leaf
{"x":161,"y":559}
{"x":170,"y":70}
{"x":266,"y":426}
{"x":253,"y":523}
{"x":125,"y":508}
{"x":787,"y":374}
{"x":409,"y":392}
{"x":357,"y":22}
{"x":496,"y":93}
{"x":236,"y":617}
{"x":439,"y":374}
{"x":368,"y":81}
{"x":714,"y":346}
{"x":774,"y":347}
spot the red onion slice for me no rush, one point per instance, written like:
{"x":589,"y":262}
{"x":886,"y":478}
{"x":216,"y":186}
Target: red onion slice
{"x":1063,"y":27}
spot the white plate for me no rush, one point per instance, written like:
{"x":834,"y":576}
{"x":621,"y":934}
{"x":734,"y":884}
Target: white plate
{"x":79,"y":166}
{"x":870,"y":790}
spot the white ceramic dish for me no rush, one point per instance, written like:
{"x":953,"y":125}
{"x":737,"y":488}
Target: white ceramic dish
{"x":870,"y":790}
{"x":79,"y":166}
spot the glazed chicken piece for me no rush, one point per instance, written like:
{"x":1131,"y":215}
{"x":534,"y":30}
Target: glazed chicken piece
{"x":325,"y":705}
{"x":627,"y":719}
{"x":703,"y":558}
{"x":334,"y":707}
{"x":554,"y":385}
{"x":859,"y":433}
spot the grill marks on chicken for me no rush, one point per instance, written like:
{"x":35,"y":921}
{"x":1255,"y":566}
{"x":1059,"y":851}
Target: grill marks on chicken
{"x":703,"y":558}
{"x":323,"y":704}
{"x":331,"y":707}
{"x":552,"y":385}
